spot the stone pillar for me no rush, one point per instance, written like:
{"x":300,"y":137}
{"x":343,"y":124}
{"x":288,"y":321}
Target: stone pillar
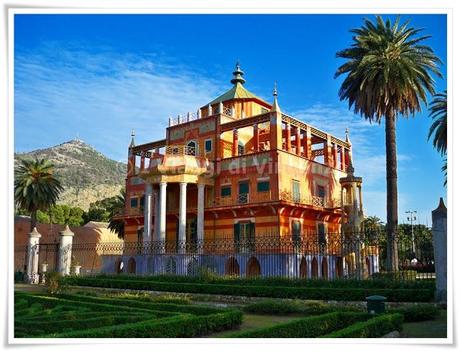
{"x":32,"y":256}
{"x":439,"y":229}
{"x":256,"y":138}
{"x":142,"y":167}
{"x":65,"y":251}
{"x":288,"y":137}
{"x":182,"y":217}
{"x":148,"y":213}
{"x":162,"y":214}
{"x":235,"y":143}
{"x":209,"y":110}
{"x":276,"y":137}
{"x":342,"y":159}
{"x":307,"y":143}
{"x":328,"y":151}
{"x":200,"y":217}
{"x":157,"y":214}
{"x":336,"y":156}
{"x":297,"y":141}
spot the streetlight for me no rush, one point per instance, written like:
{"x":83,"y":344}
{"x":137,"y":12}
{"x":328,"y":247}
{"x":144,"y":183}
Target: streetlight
{"x":411,"y":217}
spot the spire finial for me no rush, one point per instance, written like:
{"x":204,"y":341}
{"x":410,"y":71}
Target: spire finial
{"x":275,"y":106}
{"x":347,"y":138}
{"x":133,"y":143}
{"x":238,"y":74}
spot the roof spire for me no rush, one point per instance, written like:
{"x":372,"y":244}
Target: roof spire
{"x":238,"y":74}
{"x":275,"y":106}
{"x":133,"y":143}
{"x":347,"y":138}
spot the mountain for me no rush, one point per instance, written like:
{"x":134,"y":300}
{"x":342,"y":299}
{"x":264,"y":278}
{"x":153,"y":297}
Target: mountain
{"x":86,"y":174}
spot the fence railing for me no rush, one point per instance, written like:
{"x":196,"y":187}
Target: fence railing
{"x":308,"y":255}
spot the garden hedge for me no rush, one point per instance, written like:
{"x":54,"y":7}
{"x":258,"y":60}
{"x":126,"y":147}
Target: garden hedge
{"x":380,"y":280}
{"x":372,"y":328}
{"x":283,"y":307}
{"x":174,"y":327}
{"x":310,"y":327}
{"x":311,"y":293}
{"x":417,"y":313}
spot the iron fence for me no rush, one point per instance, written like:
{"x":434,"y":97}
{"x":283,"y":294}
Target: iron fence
{"x":356,"y":256}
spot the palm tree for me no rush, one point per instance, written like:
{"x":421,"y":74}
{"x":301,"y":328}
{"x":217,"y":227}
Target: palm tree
{"x":438,"y":112}
{"x":115,"y":224}
{"x":35,"y":187}
{"x":388,"y":73}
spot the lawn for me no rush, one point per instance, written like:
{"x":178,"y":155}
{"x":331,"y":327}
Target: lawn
{"x":436,"y":328}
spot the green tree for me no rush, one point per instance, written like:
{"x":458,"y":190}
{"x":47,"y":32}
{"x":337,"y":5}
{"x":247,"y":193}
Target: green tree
{"x":116,"y":224}
{"x":388,"y":73}
{"x":438,"y":129}
{"x":62,"y":214}
{"x":35,"y":187}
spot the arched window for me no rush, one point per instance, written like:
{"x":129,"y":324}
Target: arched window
{"x":314,"y":268}
{"x":253,"y":267}
{"x":232,"y":267}
{"x":191,"y":148}
{"x":132,"y":266}
{"x":324,"y":269}
{"x":303,"y":268}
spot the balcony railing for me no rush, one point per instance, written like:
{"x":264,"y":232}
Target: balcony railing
{"x":181,"y":150}
{"x":241,"y":199}
{"x":316,"y":201}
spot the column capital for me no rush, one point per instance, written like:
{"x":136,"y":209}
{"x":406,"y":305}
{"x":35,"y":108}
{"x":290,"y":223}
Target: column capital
{"x":66,"y":231}
{"x":34,"y":233}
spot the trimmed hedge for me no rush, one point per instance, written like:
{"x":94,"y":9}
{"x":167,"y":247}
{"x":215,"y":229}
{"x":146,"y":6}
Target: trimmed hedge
{"x":310,"y":293}
{"x":174,"y":327}
{"x":417,"y":313}
{"x":372,"y":328}
{"x":277,"y":307}
{"x":380,"y":280}
{"x":310,"y":327}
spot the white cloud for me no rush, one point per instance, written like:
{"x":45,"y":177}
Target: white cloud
{"x":100,"y":96}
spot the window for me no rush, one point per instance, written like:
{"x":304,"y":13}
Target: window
{"x":225,"y":190}
{"x":321,"y":233}
{"x":134,"y":202}
{"x":240,"y":148}
{"x":296,"y":230}
{"x":208,"y":145}
{"x":142,"y":202}
{"x":263,"y":186}
{"x":244,"y":236}
{"x":320,"y":191}
{"x":243,"y":192}
{"x":191,"y":148}
{"x":295,"y":190}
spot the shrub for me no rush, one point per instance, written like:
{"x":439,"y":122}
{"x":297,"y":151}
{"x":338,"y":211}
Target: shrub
{"x":309,"y":293}
{"x":406,"y":275}
{"x":310,"y":327}
{"x":55,"y":283}
{"x":372,"y":328}
{"x":417,"y":313}
{"x":296,"y":306}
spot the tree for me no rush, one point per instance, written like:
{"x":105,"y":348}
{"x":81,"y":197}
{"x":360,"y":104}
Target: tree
{"x":115,"y":224}
{"x":62,"y":214}
{"x":388,"y":73}
{"x":35,"y":187}
{"x":438,"y":112}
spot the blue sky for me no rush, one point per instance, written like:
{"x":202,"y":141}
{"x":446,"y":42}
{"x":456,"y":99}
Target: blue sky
{"x":99,"y":76}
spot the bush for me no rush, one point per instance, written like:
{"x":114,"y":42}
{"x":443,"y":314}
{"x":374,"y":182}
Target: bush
{"x":288,"y":307}
{"x":400,"y":276}
{"x":309,"y":293}
{"x":174,"y":327}
{"x":372,"y":328}
{"x":55,"y":283}
{"x":417,"y":313}
{"x":310,"y":327}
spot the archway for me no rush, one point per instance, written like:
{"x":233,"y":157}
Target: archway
{"x":314,"y":268}
{"x":303,"y":268}
{"x":232,"y":267}
{"x":118,"y":266}
{"x":253,"y":268}
{"x":132,"y":266}
{"x":324,"y":269}
{"x":339,"y":267}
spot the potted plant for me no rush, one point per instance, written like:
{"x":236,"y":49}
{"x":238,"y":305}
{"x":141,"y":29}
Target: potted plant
{"x":75,"y":266}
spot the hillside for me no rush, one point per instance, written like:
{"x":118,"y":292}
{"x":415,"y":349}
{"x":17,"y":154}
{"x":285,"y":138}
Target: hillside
{"x":86,"y":174}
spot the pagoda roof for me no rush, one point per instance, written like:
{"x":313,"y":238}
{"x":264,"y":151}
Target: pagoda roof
{"x":238,"y":91}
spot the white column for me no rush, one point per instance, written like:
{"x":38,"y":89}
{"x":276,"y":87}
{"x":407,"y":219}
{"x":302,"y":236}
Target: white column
{"x":157,"y":214}
{"x":182,"y":216}
{"x":200,"y":216}
{"x":148,"y":213}
{"x":439,"y":229}
{"x":162,"y":215}
{"x":65,"y":251}
{"x":32,"y":256}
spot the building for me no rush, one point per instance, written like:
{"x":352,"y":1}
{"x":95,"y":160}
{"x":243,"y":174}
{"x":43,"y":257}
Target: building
{"x":241,"y":172}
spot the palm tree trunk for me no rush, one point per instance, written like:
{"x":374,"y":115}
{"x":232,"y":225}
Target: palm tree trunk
{"x":33,"y":220}
{"x":392,"y":192}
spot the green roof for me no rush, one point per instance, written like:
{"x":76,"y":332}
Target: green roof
{"x":236,"y":92}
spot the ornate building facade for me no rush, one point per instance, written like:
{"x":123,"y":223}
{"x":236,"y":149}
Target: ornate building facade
{"x":242,"y":172}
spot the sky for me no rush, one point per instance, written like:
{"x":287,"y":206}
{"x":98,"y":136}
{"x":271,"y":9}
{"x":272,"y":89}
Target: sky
{"x":97,"y":77}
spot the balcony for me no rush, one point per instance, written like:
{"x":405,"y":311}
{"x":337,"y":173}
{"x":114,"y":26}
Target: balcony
{"x":242,"y":199}
{"x":315,"y":201}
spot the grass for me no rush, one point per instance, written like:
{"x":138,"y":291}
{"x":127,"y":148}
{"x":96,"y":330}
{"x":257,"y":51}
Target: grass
{"x":436,"y":328}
